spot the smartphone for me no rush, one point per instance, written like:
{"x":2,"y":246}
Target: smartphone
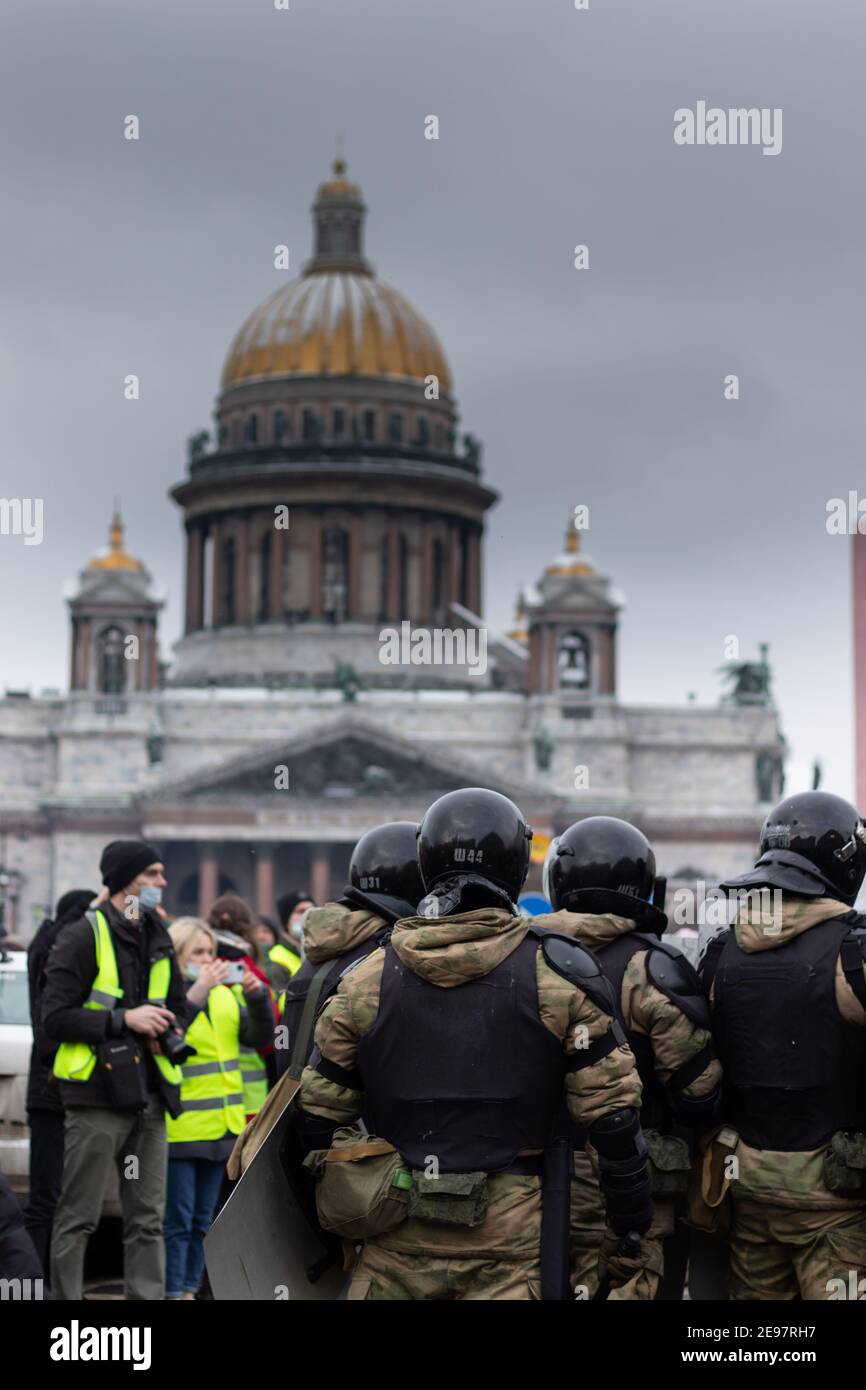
{"x":234,"y":972}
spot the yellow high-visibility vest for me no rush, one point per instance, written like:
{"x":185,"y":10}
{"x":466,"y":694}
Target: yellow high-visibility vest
{"x":281,"y":955}
{"x":255,"y":1077}
{"x":74,"y":1061}
{"x":211,"y":1092}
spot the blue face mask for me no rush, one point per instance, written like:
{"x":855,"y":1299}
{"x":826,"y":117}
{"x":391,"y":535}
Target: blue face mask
{"x":149,"y":897}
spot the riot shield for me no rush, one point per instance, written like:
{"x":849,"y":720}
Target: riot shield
{"x":262,"y":1246}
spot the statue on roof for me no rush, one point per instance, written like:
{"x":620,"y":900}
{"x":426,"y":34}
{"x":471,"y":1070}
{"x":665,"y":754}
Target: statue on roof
{"x":749,"y":680}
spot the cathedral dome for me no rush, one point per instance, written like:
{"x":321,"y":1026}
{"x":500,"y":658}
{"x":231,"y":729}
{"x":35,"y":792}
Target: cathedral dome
{"x":337,"y":318}
{"x":335,"y":323}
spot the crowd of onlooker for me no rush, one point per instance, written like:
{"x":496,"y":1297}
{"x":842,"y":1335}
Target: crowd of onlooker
{"x":153,"y":1045}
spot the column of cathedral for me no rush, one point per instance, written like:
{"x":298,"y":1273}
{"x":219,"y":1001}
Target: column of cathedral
{"x":462,"y":579}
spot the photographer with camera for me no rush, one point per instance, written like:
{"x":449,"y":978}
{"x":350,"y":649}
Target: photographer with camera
{"x":115,"y":1004}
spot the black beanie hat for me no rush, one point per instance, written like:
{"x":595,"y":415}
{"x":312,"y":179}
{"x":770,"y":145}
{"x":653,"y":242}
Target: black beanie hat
{"x":287,"y":904}
{"x":123,"y":860}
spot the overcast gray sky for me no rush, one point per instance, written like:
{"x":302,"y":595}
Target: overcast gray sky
{"x":602,"y":386}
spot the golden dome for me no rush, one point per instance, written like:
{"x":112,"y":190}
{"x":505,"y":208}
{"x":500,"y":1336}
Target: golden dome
{"x":337,"y":318}
{"x":566,"y":564}
{"x":335,"y":324}
{"x":115,"y":558}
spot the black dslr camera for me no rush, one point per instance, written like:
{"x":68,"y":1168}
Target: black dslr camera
{"x":175,"y":1046}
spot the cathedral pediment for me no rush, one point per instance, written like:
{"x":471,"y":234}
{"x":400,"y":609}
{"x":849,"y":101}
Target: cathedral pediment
{"x":349,"y":761}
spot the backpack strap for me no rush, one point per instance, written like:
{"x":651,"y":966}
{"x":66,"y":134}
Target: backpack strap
{"x":301,"y":1049}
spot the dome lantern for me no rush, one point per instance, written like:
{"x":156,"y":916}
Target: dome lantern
{"x":338,"y":222}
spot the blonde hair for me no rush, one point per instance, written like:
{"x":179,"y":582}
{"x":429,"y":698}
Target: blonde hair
{"x":183,"y":932}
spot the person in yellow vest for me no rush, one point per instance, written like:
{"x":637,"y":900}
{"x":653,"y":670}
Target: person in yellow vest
{"x":231,"y":921}
{"x":221,"y":1022}
{"x":112,"y":1001}
{"x":292,"y":909}
{"x":279,"y":962}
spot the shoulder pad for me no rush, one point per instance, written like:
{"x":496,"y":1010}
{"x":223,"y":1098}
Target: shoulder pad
{"x":579,"y":966}
{"x":675,"y":977}
{"x":713,"y":947}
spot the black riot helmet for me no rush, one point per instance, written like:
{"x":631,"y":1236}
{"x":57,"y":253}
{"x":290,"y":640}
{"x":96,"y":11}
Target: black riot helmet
{"x":812,"y":844}
{"x":475,"y":831}
{"x":384,"y":863}
{"x":602,"y":864}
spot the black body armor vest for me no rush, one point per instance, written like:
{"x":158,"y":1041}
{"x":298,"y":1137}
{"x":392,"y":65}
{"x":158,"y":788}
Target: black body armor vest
{"x":795,"y":1071}
{"x":655,"y":1109}
{"x":469,"y":1075}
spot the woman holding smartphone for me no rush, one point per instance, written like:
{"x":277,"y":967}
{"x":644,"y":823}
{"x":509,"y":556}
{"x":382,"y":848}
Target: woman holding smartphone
{"x":222,"y":1022}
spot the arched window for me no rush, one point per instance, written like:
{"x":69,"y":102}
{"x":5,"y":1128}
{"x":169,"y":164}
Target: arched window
{"x":439,"y":576}
{"x":110,"y":662}
{"x":228,"y":593}
{"x":422,"y":438}
{"x":281,"y":426}
{"x":572,"y":661}
{"x":395,"y":427}
{"x":251,"y":430}
{"x":265,"y":577}
{"x":335,"y":573}
{"x":370,"y":425}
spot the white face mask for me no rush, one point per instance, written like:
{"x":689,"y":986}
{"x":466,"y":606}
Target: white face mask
{"x":150,"y":896}
{"x":193,"y":970}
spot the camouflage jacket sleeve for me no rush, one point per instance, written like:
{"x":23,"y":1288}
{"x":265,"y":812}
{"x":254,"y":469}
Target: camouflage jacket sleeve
{"x":597,"y":1089}
{"x":675,"y":1038}
{"x":347,"y":1016}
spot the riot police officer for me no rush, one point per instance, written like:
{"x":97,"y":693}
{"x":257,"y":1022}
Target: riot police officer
{"x":600,"y":876}
{"x":384,"y":885}
{"x":787,"y":988}
{"x":457,"y":1042}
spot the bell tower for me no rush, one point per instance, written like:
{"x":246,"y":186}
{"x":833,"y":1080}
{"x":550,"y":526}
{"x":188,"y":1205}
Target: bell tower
{"x":114,"y":616}
{"x":571,"y":616}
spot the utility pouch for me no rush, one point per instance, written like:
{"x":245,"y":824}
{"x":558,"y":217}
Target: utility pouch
{"x":451,"y":1199}
{"x":845,"y":1164}
{"x":123,"y":1070}
{"x":362,"y":1185}
{"x":709,"y":1192}
{"x":670,"y":1163}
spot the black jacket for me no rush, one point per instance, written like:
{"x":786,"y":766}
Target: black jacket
{"x":69,"y":977}
{"x":42,"y":1092}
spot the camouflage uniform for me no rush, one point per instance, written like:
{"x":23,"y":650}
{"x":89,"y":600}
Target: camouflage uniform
{"x":791,"y":1236}
{"x":499,"y":1258}
{"x":334,"y":930}
{"x":675,"y":1041}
